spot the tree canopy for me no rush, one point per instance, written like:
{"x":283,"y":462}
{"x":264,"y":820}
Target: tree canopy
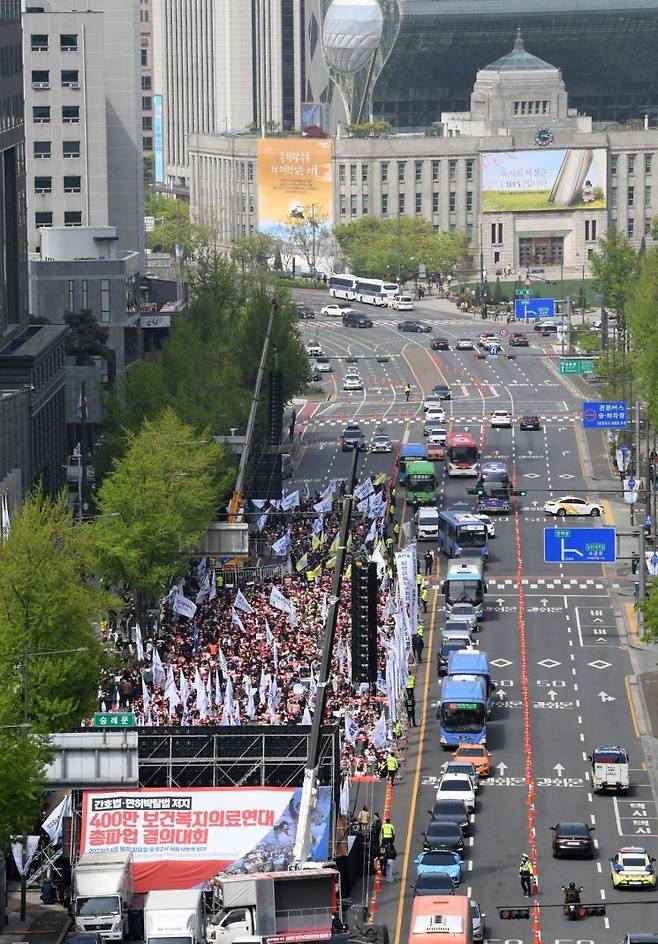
{"x":383,"y":248}
{"x":613,"y":266}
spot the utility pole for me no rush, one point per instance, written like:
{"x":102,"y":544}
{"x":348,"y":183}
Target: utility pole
{"x":569,"y":343}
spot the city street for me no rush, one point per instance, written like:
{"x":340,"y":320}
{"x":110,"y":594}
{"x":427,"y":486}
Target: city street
{"x":551,"y":630}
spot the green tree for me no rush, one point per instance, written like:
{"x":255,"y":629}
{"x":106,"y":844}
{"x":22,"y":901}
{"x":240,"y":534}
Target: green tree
{"x":497,"y":296}
{"x":22,"y":769}
{"x":613,"y":267}
{"x":47,"y":602}
{"x":160,"y":498}
{"x":87,"y":338}
{"x":309,"y":233}
{"x":252,"y":253}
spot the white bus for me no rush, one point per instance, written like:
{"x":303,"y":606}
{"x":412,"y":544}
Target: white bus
{"x":342,"y":286}
{"x":375,"y":291}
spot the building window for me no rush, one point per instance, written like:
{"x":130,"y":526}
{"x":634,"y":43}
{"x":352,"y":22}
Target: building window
{"x":647,"y":227}
{"x":435,"y":203}
{"x":147,"y":103}
{"x":452,"y":169}
{"x":419,"y":203}
{"x":453,"y":201}
{"x":43,"y":219}
{"x":364,"y":204}
{"x":613,"y":164}
{"x":353,"y":175}
{"x":613,"y":196}
{"x":70,"y":78}
{"x":41,"y":150}
{"x":39,"y":42}
{"x":590,"y":230}
{"x":343,"y":208}
{"x":85,"y":294}
{"x":364,"y":173}
{"x":469,"y":170}
{"x":40,"y":79}
{"x":418,"y":171}
{"x":147,"y":144}
{"x":72,"y":218}
{"x":384,"y":171}
{"x":402,"y":165}
{"x":68,"y":42}
{"x":71,"y":148}
{"x":496,"y":234}
{"x":630,"y":228}
{"x":145,"y":56}
{"x":71,"y":295}
{"x":43,"y":185}
{"x":469,"y":201}
{"x":631,"y":196}
{"x":147,"y":123}
{"x":341,"y":173}
{"x":353,"y":204}
{"x":41,"y":114}
{"x":435,"y":170}
{"x":384,"y":204}
{"x":71,"y":114}
{"x":647,"y":163}
{"x":146,"y":82}
{"x":105,"y":299}
{"x":72,"y":185}
{"x":400,"y":203}
{"x":647,"y":196}
{"x":630,"y":164}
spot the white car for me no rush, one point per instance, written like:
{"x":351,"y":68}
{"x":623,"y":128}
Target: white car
{"x":437,"y":437}
{"x":501,"y":419}
{"x":314,"y":350}
{"x":403,"y":303}
{"x":456,"y":787}
{"x":487,"y":522}
{"x":352,"y":382}
{"x":381,"y":443}
{"x":336,"y":311}
{"x":323,"y":367}
{"x":572,"y":506}
{"x":460,"y":634}
{"x":452,"y":767}
{"x":435,"y":412}
{"x":433,"y":400}
{"x":464,"y":611}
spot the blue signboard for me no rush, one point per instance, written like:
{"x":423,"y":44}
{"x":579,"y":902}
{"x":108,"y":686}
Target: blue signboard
{"x":605,"y":414}
{"x":534,"y":308}
{"x":158,"y":145}
{"x":579,"y":545}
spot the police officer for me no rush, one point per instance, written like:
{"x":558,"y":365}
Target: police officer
{"x":424,"y":598}
{"x":392,"y":496}
{"x":410,"y":705}
{"x":418,"y":645}
{"x":407,"y":391}
{"x":411,"y":684}
{"x":392,"y":768}
{"x":429,"y":563}
{"x":525,"y":874}
{"x":396,"y":730}
{"x":396,"y":528}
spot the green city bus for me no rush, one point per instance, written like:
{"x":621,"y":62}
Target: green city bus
{"x":420,"y":483}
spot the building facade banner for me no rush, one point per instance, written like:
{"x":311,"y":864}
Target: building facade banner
{"x":294,"y":176}
{"x":181,"y":838}
{"x":531,"y":181}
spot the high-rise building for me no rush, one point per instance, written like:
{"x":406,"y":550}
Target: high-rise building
{"x":84,"y":117}
{"x":606,"y":49}
{"x":223,"y":66}
{"x":146,"y":63}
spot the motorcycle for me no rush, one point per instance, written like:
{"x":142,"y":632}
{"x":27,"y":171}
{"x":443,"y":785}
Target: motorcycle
{"x":573,"y":910}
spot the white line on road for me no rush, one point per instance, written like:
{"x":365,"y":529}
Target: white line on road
{"x":585,"y":757}
{"x":582,"y":736}
{"x":602,"y":890}
{"x":599,"y":868}
{"x":470,"y":865}
{"x":592,"y":818}
{"x":606,"y":922}
{"x":615,"y":806}
{"x":590,"y":798}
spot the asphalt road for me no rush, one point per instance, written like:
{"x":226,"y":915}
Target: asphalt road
{"x":550,"y":630}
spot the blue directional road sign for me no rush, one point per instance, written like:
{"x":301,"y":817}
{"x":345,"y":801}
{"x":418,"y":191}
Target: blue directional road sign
{"x":494,"y":349}
{"x":605,"y":414}
{"x":534,"y":308}
{"x":579,"y":545}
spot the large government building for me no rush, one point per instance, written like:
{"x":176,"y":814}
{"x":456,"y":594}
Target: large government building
{"x":531,"y":179}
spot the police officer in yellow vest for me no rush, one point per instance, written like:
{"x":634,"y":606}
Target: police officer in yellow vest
{"x":388,"y":830}
{"x":424,"y":598}
{"x":392,"y":768}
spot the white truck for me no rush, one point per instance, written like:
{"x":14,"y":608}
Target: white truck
{"x":103,"y":894}
{"x":274,"y":907}
{"x":174,"y":917}
{"x":609,"y":768}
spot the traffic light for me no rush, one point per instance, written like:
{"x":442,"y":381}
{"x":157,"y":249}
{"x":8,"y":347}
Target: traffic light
{"x":364,"y":622}
{"x":519,"y":492}
{"x":635,"y":562}
{"x":594,"y":911}
{"x":510,"y":914}
{"x":275,"y":431}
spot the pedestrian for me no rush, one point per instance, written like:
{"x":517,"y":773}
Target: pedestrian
{"x":410,"y":705}
{"x":419,"y":581}
{"x":396,"y":730}
{"x":387,"y":832}
{"x":429,"y":563}
{"x":424,"y":598}
{"x":389,"y":854}
{"x":407,"y":392}
{"x":392,"y":767}
{"x":364,"y":820}
{"x":375,"y":834}
{"x":417,"y":646}
{"x":410,"y":684}
{"x":396,"y":529}
{"x":392,"y":496}
{"x":525,"y":874}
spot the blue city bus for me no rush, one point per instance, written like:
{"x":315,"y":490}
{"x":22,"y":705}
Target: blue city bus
{"x":462,"y":535}
{"x":474,"y":662}
{"x":494,"y":488}
{"x":410,"y":452}
{"x":462,"y":712}
{"x":464,"y":583}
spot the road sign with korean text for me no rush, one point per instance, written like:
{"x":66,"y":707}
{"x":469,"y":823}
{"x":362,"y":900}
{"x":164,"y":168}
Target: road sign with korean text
{"x":579,"y":545}
{"x":605,"y":414}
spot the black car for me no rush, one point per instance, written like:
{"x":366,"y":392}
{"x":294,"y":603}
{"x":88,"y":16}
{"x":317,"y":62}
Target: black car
{"x":442,"y":834}
{"x":414,"y":326}
{"x":451,"y":811}
{"x":518,"y":340}
{"x":573,"y":839}
{"x":434,"y":883}
{"x":442,"y":391}
{"x":83,"y":937}
{"x":443,"y":654}
{"x":304,"y":313}
{"x":440,"y":344}
{"x":530,"y":421}
{"x":352,"y":438}
{"x":356,"y":319}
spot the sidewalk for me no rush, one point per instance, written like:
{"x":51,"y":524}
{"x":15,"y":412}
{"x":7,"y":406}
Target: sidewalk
{"x":45,"y":924}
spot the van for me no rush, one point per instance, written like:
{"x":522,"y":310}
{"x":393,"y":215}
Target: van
{"x":287,"y":469}
{"x":438,"y":919}
{"x":427,"y":523}
{"x":403,"y":303}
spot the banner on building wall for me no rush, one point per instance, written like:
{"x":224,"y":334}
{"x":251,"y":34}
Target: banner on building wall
{"x":180,"y":838}
{"x":294,"y":176}
{"x":531,"y":181}
{"x":158,"y":144}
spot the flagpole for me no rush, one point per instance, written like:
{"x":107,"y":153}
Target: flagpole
{"x":303,"y":838}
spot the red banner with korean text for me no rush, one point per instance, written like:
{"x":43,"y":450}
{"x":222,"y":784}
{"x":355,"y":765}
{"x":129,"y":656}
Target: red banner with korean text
{"x":180,"y":838}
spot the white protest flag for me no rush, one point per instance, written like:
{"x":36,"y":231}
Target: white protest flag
{"x":378,"y":733}
{"x":148,"y":723}
{"x":275,"y":656}
{"x":324,"y":609}
{"x":241,"y":603}
{"x":6,"y":523}
{"x":269,"y":635}
{"x":146,"y":695}
{"x":318,"y":525}
{"x":376,"y":506}
{"x":54,"y":823}
{"x":201,"y":695}
{"x":183,"y":606}
{"x":258,"y":502}
{"x":345,"y":797}
{"x":378,"y":559}
{"x":271,"y":707}
{"x":158,"y":668}
{"x":306,"y":717}
{"x":251,"y":707}
{"x":31,"y":846}
{"x":183,"y":687}
{"x":171,"y":692}
{"x":236,"y":712}
{"x":201,"y":569}
{"x":281,"y":546}
{"x":372,"y":534}
{"x":280,"y":602}
{"x":325,"y":505}
{"x":236,"y":621}
{"x":218,"y":691}
{"x":212,"y":593}
{"x":364,"y":489}
{"x":209,"y":688}
{"x":138,"y":643}
{"x":290,"y":501}
{"x":363,"y":505}
{"x":261,"y":521}
{"x":351,"y":730}
{"x":228,"y":693}
{"x":262,"y":686}
{"x":204,"y":590}
{"x":307,"y":491}
{"x":222,"y":660}
{"x":227,"y":714}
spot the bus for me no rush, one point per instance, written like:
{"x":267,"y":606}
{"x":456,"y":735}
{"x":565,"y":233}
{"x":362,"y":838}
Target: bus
{"x":462,"y":711}
{"x":410,"y":452}
{"x":342,"y":286}
{"x":474,"y":662}
{"x":464,"y":583}
{"x":440,"y":919}
{"x":420,"y":483}
{"x":375,"y":291}
{"x":462,"y":535}
{"x":494,"y":487}
{"x":462,"y":455}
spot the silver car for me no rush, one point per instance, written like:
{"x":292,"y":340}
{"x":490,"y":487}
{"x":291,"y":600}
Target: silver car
{"x":381,"y":443}
{"x":477,"y":919}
